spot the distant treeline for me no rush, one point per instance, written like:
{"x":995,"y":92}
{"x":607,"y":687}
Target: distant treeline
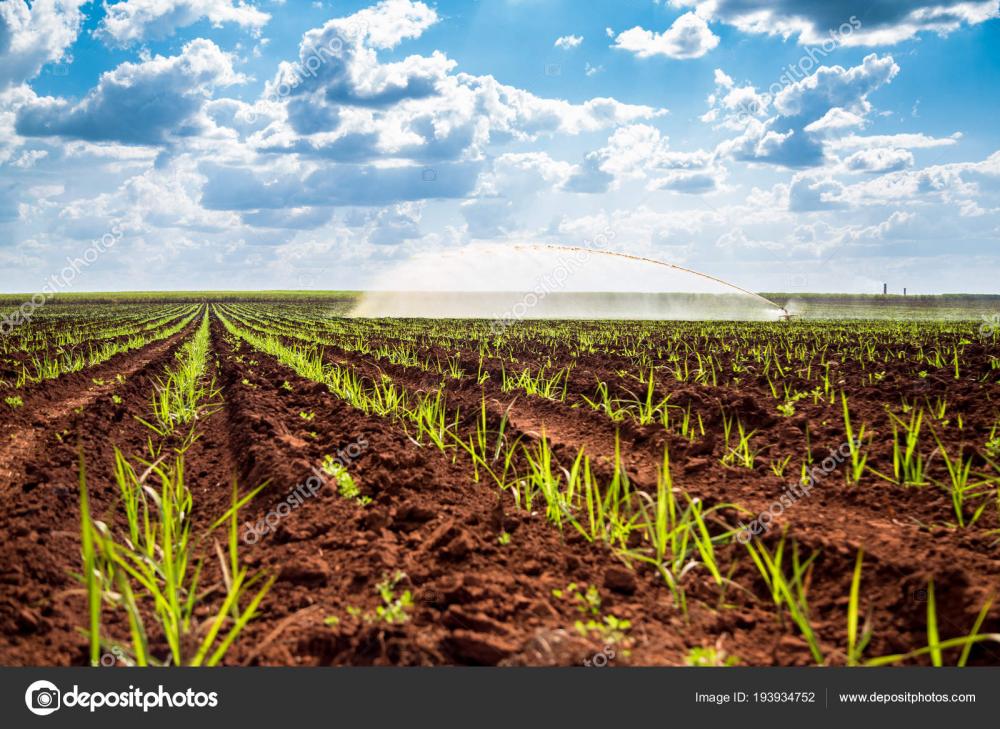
{"x":183,"y":297}
{"x":895,"y":299}
{"x":605,"y":305}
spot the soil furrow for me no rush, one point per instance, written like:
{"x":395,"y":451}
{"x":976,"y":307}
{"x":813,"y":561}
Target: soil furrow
{"x":42,"y":605}
{"x":54,"y":400}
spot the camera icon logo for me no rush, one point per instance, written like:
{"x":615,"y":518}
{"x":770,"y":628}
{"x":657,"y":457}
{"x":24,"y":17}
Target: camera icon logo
{"x":42,"y":698}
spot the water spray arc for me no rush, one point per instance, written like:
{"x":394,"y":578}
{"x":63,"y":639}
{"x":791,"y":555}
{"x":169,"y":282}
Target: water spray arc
{"x":526,"y":280}
{"x":643,"y":259}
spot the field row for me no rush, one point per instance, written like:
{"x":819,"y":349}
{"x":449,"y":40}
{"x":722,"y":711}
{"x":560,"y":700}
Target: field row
{"x":352,"y":492}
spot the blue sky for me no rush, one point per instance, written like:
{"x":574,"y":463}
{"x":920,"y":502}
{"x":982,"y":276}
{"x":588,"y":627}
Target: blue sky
{"x":784,"y":145}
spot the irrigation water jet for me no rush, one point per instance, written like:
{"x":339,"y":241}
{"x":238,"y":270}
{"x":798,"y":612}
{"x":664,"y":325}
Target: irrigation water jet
{"x":785,"y":313}
{"x":507,"y":283}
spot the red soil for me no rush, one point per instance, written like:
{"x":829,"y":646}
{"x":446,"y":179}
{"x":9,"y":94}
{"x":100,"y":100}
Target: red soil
{"x":478,"y":601}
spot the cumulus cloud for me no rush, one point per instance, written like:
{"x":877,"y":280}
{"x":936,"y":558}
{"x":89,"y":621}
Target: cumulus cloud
{"x":853,"y":22}
{"x":879,"y":160}
{"x":820,"y":236}
{"x":157,"y":198}
{"x":338,"y":62}
{"x":386,"y":24}
{"x":358,"y":151}
{"x":807,"y":113}
{"x":640,"y":152}
{"x":949,"y":183}
{"x":133,"y":21}
{"x":340,"y":101}
{"x":807,"y":193}
{"x":566,"y":42}
{"x":835,"y":86}
{"x":12,"y":99}
{"x":589,"y":176}
{"x":688,"y":37}
{"x":732,"y":106}
{"x":723,"y":79}
{"x":342,"y":128}
{"x":524,"y":171}
{"x":34,"y":35}
{"x":957,"y":183}
{"x":148,"y":103}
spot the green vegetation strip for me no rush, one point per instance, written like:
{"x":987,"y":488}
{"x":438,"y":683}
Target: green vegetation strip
{"x":152,"y":571}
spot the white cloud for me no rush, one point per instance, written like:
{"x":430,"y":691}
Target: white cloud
{"x":26,"y":160}
{"x":851,"y":22}
{"x":834,"y":120}
{"x":723,"y":79}
{"x":134,"y":21}
{"x":566,"y":42}
{"x":388,"y":226}
{"x":732,"y":106}
{"x":809,"y":112}
{"x":360,"y":151}
{"x":640,"y":152}
{"x":956,"y":183}
{"x":835,"y":86}
{"x":339,"y":101}
{"x":807,"y":193}
{"x":819,"y":236}
{"x":385,"y":25}
{"x":688,"y":37}
{"x":34,"y":35}
{"x":952,"y":182}
{"x":879,"y":160}
{"x":899,"y":141}
{"x":151,"y":102}
{"x":12,"y":99}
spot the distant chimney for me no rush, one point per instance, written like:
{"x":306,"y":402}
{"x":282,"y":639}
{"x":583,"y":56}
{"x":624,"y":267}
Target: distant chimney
{"x":885,"y":289}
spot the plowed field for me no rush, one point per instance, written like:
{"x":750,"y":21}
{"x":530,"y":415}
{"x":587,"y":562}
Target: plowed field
{"x":526,"y":493}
